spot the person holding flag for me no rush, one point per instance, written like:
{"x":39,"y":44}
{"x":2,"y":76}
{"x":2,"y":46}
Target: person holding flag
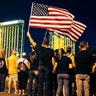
{"x":46,"y":64}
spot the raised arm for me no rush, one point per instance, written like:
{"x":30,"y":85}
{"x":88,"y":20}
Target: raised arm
{"x":94,"y":68}
{"x":31,"y":39}
{"x":54,"y":65}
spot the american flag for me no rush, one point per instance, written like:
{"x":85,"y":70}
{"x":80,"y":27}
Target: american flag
{"x":74,"y":33}
{"x":56,"y":19}
{"x":44,"y":16}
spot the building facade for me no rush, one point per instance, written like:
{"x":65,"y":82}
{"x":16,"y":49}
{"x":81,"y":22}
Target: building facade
{"x":58,"y":41}
{"x":12,"y":36}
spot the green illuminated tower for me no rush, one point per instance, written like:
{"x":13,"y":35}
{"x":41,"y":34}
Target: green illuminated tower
{"x":12,"y":36}
{"x":58,"y":41}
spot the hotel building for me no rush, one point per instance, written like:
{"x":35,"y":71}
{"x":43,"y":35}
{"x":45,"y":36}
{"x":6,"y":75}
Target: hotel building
{"x":12,"y":36}
{"x":58,"y":41}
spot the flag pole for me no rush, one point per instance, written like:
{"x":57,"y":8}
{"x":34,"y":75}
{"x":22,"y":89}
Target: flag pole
{"x":45,"y":33}
{"x":30,"y":16}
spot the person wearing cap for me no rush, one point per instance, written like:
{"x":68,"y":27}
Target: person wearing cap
{"x":23,"y":66}
{"x":46,"y":64}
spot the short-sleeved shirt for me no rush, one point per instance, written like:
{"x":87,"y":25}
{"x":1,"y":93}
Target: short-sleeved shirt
{"x":45,"y":56}
{"x":34,"y":62}
{"x":83,"y":60}
{"x":22,"y":60}
{"x":3,"y":68}
{"x":63,"y":65}
{"x":12,"y":67}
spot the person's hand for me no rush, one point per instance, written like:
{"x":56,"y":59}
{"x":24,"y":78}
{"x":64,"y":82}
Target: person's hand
{"x":54,"y":70}
{"x":28,"y":34}
{"x":31,"y":39}
{"x":36,"y":72}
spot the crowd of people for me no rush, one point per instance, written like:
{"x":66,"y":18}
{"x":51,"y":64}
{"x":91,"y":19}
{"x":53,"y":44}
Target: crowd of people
{"x":48,"y":72}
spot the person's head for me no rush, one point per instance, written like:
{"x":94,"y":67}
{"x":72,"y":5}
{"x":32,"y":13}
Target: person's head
{"x":45,"y":41}
{"x":83,"y":45}
{"x":93,"y":50}
{"x":56,"y":52}
{"x":23,"y":54}
{"x":13,"y":52}
{"x":68,"y":49}
{"x":1,"y":54}
{"x":61,"y":51}
{"x":32,"y":47}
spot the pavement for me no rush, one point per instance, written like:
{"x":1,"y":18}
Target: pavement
{"x":5,"y":93}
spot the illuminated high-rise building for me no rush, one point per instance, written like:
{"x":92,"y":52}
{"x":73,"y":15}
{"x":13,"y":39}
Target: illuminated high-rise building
{"x":12,"y":36}
{"x":58,"y":41}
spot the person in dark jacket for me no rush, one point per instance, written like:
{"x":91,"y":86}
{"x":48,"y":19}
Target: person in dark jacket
{"x":93,"y":74}
{"x":33,"y":73}
{"x":3,"y":70}
{"x":46,"y":64}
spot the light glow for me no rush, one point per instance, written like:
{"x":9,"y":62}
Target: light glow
{"x":12,"y":22}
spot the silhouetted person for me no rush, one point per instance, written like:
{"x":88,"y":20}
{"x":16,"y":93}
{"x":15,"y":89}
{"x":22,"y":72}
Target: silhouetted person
{"x":72,"y":74}
{"x":33,"y":73}
{"x":46,"y":64}
{"x":63,"y":75}
{"x":83,"y":61}
{"x":3,"y":70}
{"x":23,"y":67}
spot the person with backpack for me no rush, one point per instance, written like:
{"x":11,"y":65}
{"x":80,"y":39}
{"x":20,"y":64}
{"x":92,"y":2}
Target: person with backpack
{"x":23,"y":67}
{"x":46,"y":64}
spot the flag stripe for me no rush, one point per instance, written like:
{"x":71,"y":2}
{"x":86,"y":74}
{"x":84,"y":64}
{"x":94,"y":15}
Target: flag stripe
{"x":67,"y":30}
{"x":79,"y":24}
{"x":50,"y":22}
{"x":47,"y":17}
{"x":51,"y":18}
{"x":56,"y":19}
{"x":76,"y":30}
{"x":64,"y":33}
{"x":48,"y":26}
{"x":54,"y":11}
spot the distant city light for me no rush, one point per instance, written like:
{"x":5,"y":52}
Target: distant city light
{"x":12,"y":22}
{"x":12,"y":36}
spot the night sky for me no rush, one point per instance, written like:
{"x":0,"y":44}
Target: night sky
{"x":84,"y":11}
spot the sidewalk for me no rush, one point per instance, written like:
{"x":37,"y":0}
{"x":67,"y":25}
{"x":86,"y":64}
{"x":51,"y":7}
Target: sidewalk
{"x":12,"y":89}
{"x":7,"y":94}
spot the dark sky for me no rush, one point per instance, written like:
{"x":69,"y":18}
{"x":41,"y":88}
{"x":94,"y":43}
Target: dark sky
{"x":84,"y":11}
